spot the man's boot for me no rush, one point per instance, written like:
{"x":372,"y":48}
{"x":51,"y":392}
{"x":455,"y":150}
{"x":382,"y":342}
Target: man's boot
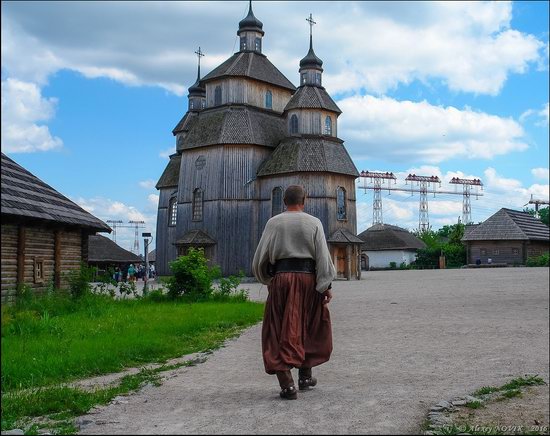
{"x":305,"y":379}
{"x":288,"y":390}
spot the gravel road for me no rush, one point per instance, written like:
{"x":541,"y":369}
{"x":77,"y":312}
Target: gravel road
{"x":403,"y":340}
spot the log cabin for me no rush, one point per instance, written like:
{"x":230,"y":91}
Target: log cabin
{"x":248,"y":134}
{"x":44,"y":234}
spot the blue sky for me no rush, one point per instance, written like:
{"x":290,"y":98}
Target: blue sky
{"x":447,"y":89}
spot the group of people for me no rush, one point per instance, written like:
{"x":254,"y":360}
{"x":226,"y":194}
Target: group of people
{"x":133,"y":273}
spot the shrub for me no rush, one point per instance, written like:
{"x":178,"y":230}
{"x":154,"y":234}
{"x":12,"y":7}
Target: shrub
{"x":455,"y":255}
{"x":543,"y":260}
{"x":156,"y":295}
{"x":228,"y":289}
{"x":393,"y":265}
{"x":192,"y":276}
{"x":403,"y":265}
{"x":79,"y":280}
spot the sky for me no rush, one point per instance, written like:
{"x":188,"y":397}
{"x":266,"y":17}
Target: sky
{"x":92,"y":90}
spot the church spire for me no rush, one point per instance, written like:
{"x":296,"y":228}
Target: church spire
{"x":311,"y":66}
{"x":197,"y":92}
{"x":251,"y":32}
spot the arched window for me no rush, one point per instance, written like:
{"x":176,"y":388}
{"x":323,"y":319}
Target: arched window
{"x":328,"y":125}
{"x":317,"y":78}
{"x":243,"y":42}
{"x":294,"y":124}
{"x":218,"y":95}
{"x":191,"y":104}
{"x":203,"y":104}
{"x":197,"y":204}
{"x":173,"y":211}
{"x":258,"y":44}
{"x":276,"y":201}
{"x":268,"y":100}
{"x":341,"y":203}
{"x":304,"y":78}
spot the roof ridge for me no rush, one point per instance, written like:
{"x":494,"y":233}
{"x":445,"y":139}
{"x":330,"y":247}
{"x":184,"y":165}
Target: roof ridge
{"x":514,"y":222}
{"x":237,"y":59}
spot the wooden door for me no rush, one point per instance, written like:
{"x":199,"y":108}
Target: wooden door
{"x":341,"y":261}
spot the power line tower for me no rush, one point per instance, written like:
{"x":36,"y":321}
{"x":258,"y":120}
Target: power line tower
{"x":377,"y":179}
{"x":424,"y":183}
{"x":466,"y":193}
{"x":537,"y":203}
{"x":137,"y":225}
{"x":114,"y":224}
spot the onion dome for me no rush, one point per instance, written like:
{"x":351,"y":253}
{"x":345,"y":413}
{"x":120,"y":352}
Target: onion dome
{"x":250,"y":23}
{"x":311,"y":60}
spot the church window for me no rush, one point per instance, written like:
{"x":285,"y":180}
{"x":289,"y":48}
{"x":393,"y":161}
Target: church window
{"x":294,"y":124}
{"x":276,"y":201}
{"x":317,"y":78}
{"x":191,"y":104}
{"x":268,"y":100}
{"x":243,"y":42}
{"x":197,"y":205}
{"x":218,"y":95}
{"x":258,"y":44}
{"x":328,"y":126}
{"x":341,"y":203}
{"x":304,"y":78}
{"x":173,"y":210}
{"x":203,"y":104}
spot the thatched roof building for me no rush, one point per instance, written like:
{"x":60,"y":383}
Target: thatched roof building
{"x":102,"y":251}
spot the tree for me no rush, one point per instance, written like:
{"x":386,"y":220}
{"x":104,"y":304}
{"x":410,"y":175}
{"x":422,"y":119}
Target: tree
{"x":544,"y":214}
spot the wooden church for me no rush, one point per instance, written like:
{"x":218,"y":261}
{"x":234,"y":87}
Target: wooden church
{"x":248,"y":134}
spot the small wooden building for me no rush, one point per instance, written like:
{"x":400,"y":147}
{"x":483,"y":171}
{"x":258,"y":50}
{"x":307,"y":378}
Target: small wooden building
{"x":507,"y":237}
{"x":44,"y":234}
{"x":384,"y":244}
{"x":104,"y":253}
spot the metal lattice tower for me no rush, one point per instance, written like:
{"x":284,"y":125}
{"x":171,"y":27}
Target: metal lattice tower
{"x":425,"y":183}
{"x":114,"y":224}
{"x":466,"y":193}
{"x":377,"y":179}
{"x":537,"y":203}
{"x":137,"y":225}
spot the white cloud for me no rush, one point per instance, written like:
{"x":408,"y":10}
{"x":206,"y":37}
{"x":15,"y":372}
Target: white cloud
{"x":542,"y":174}
{"x":23,"y":108}
{"x":405,"y":131}
{"x":165,"y":154}
{"x":153,"y":201}
{"x":541,"y":116}
{"x":147,"y":184}
{"x":470,"y":46}
{"x":109,"y":209}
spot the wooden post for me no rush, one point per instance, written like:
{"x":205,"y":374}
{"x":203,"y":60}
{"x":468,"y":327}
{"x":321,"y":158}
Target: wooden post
{"x":21,"y":237}
{"x":348,"y":263}
{"x":57,"y":259}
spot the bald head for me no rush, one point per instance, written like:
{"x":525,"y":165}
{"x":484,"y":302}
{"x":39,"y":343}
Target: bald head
{"x":295,"y":195}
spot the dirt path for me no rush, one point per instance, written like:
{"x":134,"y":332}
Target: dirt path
{"x":404,"y":340}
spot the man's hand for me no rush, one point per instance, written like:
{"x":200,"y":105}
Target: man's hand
{"x":327,"y":296}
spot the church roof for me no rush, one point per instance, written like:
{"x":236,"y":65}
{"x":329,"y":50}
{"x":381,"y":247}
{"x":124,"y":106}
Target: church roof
{"x":185,"y":123}
{"x":388,"y":237}
{"x":511,"y":225}
{"x":250,"y":22}
{"x":309,"y":153}
{"x":314,"y":97}
{"x":253,"y":65}
{"x":196,"y":237}
{"x":344,"y":236}
{"x":26,"y":196}
{"x":234,"y":124}
{"x":102,"y":249}
{"x":171,"y":174}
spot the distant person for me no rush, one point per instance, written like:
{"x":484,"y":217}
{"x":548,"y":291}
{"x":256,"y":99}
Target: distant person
{"x":152,"y":271}
{"x":131,"y":273}
{"x":293,"y":259}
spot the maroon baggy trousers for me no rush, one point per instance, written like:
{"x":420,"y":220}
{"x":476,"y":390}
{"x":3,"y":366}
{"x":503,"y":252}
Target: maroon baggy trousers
{"x":296,"y":331}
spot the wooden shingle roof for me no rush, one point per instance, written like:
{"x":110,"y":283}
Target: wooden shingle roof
{"x":102,"y":249}
{"x":170,"y":176}
{"x":25,"y":195}
{"x":312,"y":97}
{"x":344,"y":236}
{"x":511,"y":225}
{"x":253,"y":65}
{"x":234,"y":124}
{"x":196,"y":237}
{"x":309,"y":154}
{"x":388,"y":237}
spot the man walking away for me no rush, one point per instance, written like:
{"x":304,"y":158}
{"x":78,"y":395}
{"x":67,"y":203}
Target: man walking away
{"x":293,"y":259}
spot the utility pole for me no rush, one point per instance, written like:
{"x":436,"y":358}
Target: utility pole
{"x":114,"y":225}
{"x":466,"y":192}
{"x":146,"y":242}
{"x":137,"y":225}
{"x":424,"y":182}
{"x":537,"y":203}
{"x":377,"y":179}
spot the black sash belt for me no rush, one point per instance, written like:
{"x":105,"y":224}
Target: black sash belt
{"x":294,"y":265}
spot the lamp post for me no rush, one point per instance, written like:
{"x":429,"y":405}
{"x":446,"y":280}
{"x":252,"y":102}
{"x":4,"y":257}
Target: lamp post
{"x":146,"y":241}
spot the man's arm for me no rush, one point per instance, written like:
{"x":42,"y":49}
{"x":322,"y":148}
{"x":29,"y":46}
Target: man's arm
{"x":260,"y":263}
{"x":323,"y":262}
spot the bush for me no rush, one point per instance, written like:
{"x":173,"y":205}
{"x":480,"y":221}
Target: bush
{"x":393,"y":265}
{"x":192,"y":276}
{"x":543,"y":260}
{"x":228,"y":289}
{"x":79,"y":280}
{"x":455,"y":255}
{"x":403,"y":265}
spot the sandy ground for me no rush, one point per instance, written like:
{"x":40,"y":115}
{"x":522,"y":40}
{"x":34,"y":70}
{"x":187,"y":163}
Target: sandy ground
{"x":403,"y":340}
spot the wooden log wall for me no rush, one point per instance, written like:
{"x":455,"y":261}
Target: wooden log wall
{"x":247,"y":91}
{"x":9,"y":262}
{"x":166,"y":235}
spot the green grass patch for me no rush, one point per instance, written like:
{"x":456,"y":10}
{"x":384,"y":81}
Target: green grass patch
{"x":474,"y":404}
{"x":485,"y":390}
{"x":511,"y":393}
{"x":46,"y":343}
{"x":523,"y":381}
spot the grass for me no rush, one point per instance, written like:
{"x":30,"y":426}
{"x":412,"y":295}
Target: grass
{"x":474,"y":404}
{"x":52,"y":341}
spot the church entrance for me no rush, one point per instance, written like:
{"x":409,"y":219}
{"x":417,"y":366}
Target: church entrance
{"x":341,"y":261}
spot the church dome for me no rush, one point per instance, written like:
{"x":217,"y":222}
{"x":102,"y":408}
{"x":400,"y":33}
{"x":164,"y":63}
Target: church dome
{"x":311,"y":60}
{"x":197,"y":89}
{"x":250,"y":23}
